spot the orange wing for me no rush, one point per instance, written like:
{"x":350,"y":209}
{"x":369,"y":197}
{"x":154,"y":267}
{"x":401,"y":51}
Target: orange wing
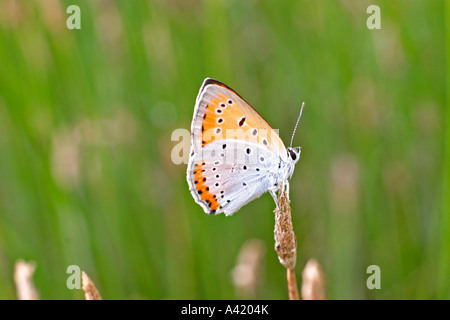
{"x":220,"y":113}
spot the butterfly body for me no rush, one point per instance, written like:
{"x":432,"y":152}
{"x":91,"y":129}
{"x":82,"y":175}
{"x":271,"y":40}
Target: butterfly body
{"x":236,"y":156}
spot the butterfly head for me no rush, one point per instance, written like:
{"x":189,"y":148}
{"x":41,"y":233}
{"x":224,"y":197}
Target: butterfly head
{"x":293,"y":157}
{"x":294,"y":154}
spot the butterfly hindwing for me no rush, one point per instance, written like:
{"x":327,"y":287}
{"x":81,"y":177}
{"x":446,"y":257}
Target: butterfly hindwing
{"x":224,"y":177}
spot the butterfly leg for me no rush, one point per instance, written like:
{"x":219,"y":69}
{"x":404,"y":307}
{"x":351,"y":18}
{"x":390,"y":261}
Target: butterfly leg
{"x":275,"y":198}
{"x":286,"y":188}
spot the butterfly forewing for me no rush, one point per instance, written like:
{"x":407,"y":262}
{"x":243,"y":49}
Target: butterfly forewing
{"x":220,"y":113}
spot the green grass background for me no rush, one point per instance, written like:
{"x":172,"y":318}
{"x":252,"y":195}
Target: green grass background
{"x":86,"y":118}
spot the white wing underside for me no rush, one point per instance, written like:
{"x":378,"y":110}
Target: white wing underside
{"x":237,"y":172}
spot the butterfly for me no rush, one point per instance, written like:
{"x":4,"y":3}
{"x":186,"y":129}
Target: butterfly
{"x":236,"y":156}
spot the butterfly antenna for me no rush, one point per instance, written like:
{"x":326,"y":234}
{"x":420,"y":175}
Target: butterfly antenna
{"x":296,"y":125}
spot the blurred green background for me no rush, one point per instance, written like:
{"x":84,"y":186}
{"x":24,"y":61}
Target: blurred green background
{"x":86,"y":118}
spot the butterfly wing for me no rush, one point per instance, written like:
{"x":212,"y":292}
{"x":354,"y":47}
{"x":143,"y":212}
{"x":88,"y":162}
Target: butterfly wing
{"x":223,"y":177}
{"x":221,"y":113}
{"x":235,"y":153}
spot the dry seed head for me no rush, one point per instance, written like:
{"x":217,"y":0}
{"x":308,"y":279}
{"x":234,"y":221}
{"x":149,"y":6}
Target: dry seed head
{"x":90,"y":291}
{"x":313,"y":285}
{"x":23,"y":277}
{"x":285,"y":241}
{"x":246,"y":272}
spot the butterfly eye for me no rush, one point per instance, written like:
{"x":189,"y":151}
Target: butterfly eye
{"x":292,"y":154}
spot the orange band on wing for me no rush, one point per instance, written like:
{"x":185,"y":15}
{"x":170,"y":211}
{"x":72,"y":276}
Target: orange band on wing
{"x":209,"y":125}
{"x":203,"y":189}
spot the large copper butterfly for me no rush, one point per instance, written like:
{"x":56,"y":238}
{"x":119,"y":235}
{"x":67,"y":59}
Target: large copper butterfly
{"x":235,"y":156}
